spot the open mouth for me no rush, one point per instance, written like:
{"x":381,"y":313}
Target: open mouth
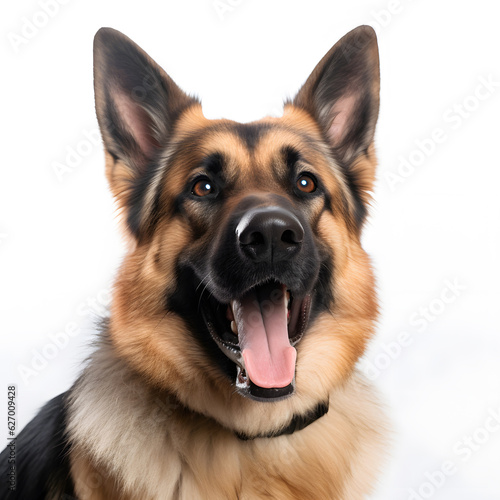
{"x":258,"y":332}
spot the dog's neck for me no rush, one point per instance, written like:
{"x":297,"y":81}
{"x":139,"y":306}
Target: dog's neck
{"x":297,"y":423}
{"x":107,"y":365}
{"x":112,"y":418}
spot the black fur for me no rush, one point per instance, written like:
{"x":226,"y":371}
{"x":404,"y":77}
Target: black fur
{"x":135,"y":218}
{"x":42,"y":464}
{"x":360,"y":208}
{"x":250,"y":133}
{"x":186,"y":301}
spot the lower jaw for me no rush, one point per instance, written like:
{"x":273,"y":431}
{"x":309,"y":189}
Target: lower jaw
{"x":247,"y":388}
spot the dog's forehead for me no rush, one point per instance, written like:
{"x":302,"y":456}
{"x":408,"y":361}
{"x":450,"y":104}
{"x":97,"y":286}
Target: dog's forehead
{"x":250,"y":151}
{"x":246,"y":150}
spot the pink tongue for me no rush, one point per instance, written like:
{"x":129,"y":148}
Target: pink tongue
{"x":261,"y":317}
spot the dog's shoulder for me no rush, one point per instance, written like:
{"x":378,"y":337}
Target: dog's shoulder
{"x":40,"y":455}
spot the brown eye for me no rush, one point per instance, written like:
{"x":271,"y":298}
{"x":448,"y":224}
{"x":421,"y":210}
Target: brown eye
{"x":202,"y":187}
{"x":306,"y":184}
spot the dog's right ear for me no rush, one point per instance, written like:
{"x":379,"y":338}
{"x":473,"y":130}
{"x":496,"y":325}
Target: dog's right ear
{"x":137,"y":106}
{"x":342,"y":95}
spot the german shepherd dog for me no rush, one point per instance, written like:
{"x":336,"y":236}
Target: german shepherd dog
{"x":226,"y":368}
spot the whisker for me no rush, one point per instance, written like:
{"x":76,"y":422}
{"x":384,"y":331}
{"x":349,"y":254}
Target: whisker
{"x":206,"y":283}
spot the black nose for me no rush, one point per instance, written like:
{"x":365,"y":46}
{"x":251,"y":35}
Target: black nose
{"x":269,"y":234}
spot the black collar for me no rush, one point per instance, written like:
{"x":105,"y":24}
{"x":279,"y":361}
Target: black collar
{"x":297,"y":423}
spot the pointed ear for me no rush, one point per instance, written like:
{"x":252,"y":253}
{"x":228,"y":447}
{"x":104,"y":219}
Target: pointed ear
{"x":342,"y":93}
{"x":137,"y":106}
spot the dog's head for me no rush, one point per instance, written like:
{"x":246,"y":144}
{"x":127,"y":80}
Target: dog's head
{"x":246,"y":281}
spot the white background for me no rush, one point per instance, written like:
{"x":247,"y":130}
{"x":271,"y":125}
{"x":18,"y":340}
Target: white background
{"x":60,"y":246}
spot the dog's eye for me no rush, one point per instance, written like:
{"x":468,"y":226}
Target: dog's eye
{"x":306,"y":183}
{"x":203,"y":187}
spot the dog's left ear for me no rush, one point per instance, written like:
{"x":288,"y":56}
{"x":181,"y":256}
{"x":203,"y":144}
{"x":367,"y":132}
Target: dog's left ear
{"x":342,"y":94}
{"x":137,"y":106}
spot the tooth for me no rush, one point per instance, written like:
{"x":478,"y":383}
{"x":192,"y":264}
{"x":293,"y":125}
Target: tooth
{"x":233,"y":327}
